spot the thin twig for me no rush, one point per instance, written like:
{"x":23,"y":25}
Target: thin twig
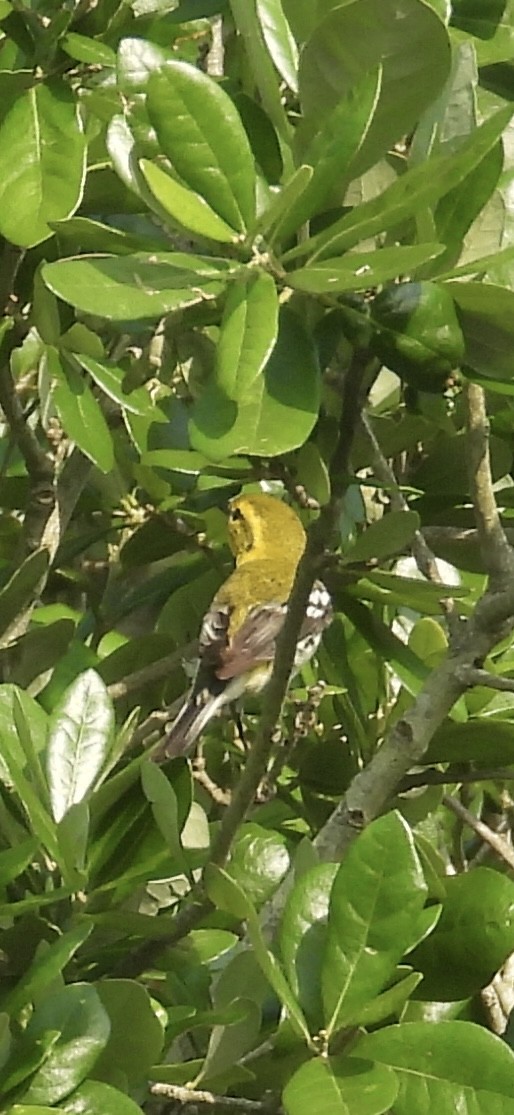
{"x":497,"y":554}
{"x":185,"y":1096}
{"x":471,"y":675}
{"x":154,"y":671}
{"x":200,"y":775}
{"x":421,"y":552}
{"x":496,"y":842}
{"x":431,"y":777}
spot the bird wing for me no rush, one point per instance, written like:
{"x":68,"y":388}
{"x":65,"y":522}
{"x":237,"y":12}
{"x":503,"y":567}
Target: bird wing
{"x":253,"y":643}
{"x":255,"y":640}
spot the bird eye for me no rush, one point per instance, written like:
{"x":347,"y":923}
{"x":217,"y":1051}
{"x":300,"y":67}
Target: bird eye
{"x":236,"y":515}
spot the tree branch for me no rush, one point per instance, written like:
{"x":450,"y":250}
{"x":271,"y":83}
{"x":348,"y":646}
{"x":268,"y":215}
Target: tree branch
{"x":421,"y":552}
{"x":185,"y":1096}
{"x":497,"y":555}
{"x":493,"y":839}
{"x":431,"y":777}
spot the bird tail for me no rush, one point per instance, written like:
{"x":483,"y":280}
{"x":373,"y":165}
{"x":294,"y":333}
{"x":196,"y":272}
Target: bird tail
{"x":195,"y":713}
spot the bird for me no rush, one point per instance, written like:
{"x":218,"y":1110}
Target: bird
{"x":239,"y":631}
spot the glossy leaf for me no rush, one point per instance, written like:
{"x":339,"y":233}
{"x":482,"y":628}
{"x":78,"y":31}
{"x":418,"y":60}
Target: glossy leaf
{"x":303,"y":935}
{"x":405,"y":37}
{"x":110,"y":379}
{"x":42,"y":162}
{"x":184,"y":205}
{"x":279,"y":40}
{"x":77,"y":1016}
{"x":79,"y":411}
{"x":79,"y":742}
{"x":376,"y":899}
{"x":407,"y":195}
{"x":473,"y":938}
{"x":340,"y":1086}
{"x":259,"y":861}
{"x":132,"y":287}
{"x":264,"y":413}
{"x":362,"y":270}
{"x":201,"y":134}
{"x":94,"y":1098}
{"x":137,"y":60}
{"x":333,"y":149}
{"x":275,"y":217}
{"x":448,"y":1067}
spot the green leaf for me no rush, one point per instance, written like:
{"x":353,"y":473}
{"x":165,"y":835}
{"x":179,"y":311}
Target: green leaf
{"x":383,"y":641}
{"x":390,"y":1003}
{"x":18,"y":594}
{"x":162,"y":797}
{"x":13,"y":861}
{"x":73,"y":836}
{"x":332,"y":150}
{"x":136,"y":1034}
{"x":137,"y":60}
{"x":472,"y":939}
{"x":279,"y":40}
{"x":258,"y":862}
{"x":303,"y":933}
{"x":262,"y":414}
{"x":185,"y":206}
{"x":485,"y":313}
{"x":94,"y":1098}
{"x":227,"y":895}
{"x":444,"y":1068}
{"x":361,"y":270}
{"x":228,"y":1042}
{"x":46,"y":966}
{"x":377,"y":896}
{"x":405,"y":37}
{"x":80,"y":739}
{"x":40,"y":822}
{"x":248,"y":27}
{"x":81,"y":234}
{"x":134,"y":287}
{"x":110,"y":379}
{"x":392,"y":534}
{"x":405,"y":197}
{"x":271,"y":222}
{"x":201,"y":134}
{"x":42,"y":162}
{"x":336,"y":1086}
{"x":79,"y":411}
{"x":76,"y":1014}
{"x":84,"y":49}
{"x":483,"y":741}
